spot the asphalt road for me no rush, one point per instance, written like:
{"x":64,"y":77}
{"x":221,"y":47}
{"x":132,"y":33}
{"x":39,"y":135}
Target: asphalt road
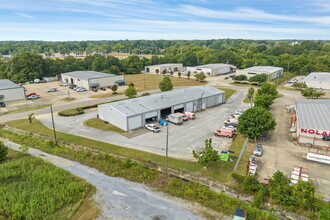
{"x":182,"y":139}
{"x":119,"y":198}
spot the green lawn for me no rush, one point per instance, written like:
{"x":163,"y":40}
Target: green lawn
{"x":229,"y":92}
{"x":31,"y":188}
{"x":219,"y":171}
{"x":152,"y":81}
{"x":28,"y":109}
{"x":98,"y":123}
{"x":107,"y":94}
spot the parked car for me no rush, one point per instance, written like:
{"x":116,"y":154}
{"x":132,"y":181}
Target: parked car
{"x":238,"y":111}
{"x":258,"y":150}
{"x":232,"y":76}
{"x":293,"y":81}
{"x":64,"y":84}
{"x":76,"y":88}
{"x":72,"y":86}
{"x":226,"y":77}
{"x":184,"y":117}
{"x":224,"y":132}
{"x":231,"y":120}
{"x":52,"y":90}
{"x":94,"y":89}
{"x":152,"y":127}
{"x":81,"y":89}
{"x":33,"y":97}
{"x":2,"y":105}
{"x":175,"y":119}
{"x":190,"y":115}
{"x":103,"y":89}
{"x":231,"y":124}
{"x":230,"y":127}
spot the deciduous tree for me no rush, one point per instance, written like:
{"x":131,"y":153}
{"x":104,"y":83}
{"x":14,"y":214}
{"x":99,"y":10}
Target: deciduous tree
{"x":206,"y":154}
{"x":130,"y":92}
{"x":264,"y":100}
{"x":166,"y":84}
{"x":3,"y":151}
{"x":114,"y":89}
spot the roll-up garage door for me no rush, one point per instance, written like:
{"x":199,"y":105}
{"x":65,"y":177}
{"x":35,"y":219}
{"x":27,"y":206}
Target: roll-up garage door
{"x":150,"y":114}
{"x":190,"y":107}
{"x":178,"y":106}
{"x":134,"y":122}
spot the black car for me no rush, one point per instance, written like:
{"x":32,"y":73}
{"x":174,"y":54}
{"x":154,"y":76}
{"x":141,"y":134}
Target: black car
{"x":2,"y":105}
{"x":72,"y":86}
{"x":231,"y":124}
{"x":226,"y":77}
{"x":103,"y":89}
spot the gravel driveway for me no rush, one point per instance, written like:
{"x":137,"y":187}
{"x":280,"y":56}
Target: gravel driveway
{"x":119,"y":198}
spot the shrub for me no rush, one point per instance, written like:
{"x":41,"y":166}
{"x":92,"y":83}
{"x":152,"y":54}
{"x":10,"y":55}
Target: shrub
{"x":3,"y":151}
{"x":145,"y":94}
{"x":71,"y":112}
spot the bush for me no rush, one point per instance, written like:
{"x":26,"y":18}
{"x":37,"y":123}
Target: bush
{"x":145,"y":94}
{"x":3,"y":151}
{"x":71,"y":112}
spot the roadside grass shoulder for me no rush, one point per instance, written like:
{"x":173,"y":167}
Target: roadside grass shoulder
{"x":229,"y":92}
{"x":28,"y":109}
{"x":133,"y":171}
{"x":105,"y":95}
{"x":31,"y":188}
{"x":99,"y":124}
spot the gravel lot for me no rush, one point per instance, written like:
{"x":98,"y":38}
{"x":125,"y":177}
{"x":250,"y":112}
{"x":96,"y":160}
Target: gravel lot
{"x":182,"y":139}
{"x":119,"y":198}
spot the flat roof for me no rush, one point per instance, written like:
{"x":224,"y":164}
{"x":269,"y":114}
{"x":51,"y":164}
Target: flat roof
{"x":269,"y":69}
{"x":215,"y":66}
{"x":318,"y":77}
{"x":313,"y":114}
{"x":167,"y":64}
{"x":7,"y":84}
{"x":130,"y":107}
{"x":86,"y":75}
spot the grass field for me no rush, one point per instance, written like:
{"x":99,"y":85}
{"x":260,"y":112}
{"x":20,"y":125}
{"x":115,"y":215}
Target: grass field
{"x":28,"y":109}
{"x":104,"y":95}
{"x":219,"y":171}
{"x":229,"y":92}
{"x":99,"y":124}
{"x":152,"y":81}
{"x":31,"y":188}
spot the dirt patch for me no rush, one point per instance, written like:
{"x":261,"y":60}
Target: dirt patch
{"x":88,"y":209}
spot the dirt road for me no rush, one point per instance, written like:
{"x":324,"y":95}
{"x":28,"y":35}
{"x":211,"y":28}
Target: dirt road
{"x":119,"y":198}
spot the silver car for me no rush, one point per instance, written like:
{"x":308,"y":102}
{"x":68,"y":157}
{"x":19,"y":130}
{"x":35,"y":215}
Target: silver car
{"x":258,"y":150}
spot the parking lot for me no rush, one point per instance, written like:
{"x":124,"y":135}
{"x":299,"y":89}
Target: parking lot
{"x":182,"y":138}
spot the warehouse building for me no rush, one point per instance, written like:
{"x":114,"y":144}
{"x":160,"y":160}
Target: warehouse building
{"x":164,"y":68}
{"x":271,"y":71}
{"x":135,"y":113}
{"x":319,"y":80}
{"x":10,"y":91}
{"x":90,"y":79}
{"x":214,"y":69}
{"x":313,"y":122}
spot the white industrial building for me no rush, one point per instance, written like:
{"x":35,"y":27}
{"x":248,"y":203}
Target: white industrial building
{"x":214,"y":69}
{"x":271,"y":71}
{"x":10,"y":91}
{"x":134,"y":113}
{"x":168,"y":67}
{"x":319,"y":80}
{"x":91,"y":79}
{"x":313,"y":121}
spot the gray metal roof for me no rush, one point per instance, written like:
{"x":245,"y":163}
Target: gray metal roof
{"x":162,"y":100}
{"x":318,"y":77}
{"x":269,"y":69}
{"x":7,"y":84}
{"x":313,"y":113}
{"x":86,"y":75}
{"x":215,"y":66}
{"x":166,"y":64}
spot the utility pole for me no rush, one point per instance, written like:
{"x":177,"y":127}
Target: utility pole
{"x":167,"y":151}
{"x":69,"y":98}
{"x":144,"y":76}
{"x":51,"y":111}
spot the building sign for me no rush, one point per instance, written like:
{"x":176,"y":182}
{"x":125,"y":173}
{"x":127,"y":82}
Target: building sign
{"x":312,"y":131}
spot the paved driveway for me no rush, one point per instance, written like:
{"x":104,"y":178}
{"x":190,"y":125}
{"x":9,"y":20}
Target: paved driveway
{"x":182,"y":139}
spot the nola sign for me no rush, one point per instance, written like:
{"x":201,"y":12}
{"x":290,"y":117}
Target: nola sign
{"x":312,"y":131}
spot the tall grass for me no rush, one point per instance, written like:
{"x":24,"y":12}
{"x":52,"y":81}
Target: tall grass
{"x":31,"y":188}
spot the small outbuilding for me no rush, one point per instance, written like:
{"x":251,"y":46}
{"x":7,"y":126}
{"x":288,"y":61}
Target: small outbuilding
{"x":319,"y":80}
{"x":90,"y":79}
{"x":164,"y":68}
{"x":271,"y":71}
{"x":10,"y":91}
{"x":135,"y":113}
{"x":214,"y":69}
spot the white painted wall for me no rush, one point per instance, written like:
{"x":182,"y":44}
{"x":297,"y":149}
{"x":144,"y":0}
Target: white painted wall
{"x":134,"y":122}
{"x":12,"y":94}
{"x":112,"y":116}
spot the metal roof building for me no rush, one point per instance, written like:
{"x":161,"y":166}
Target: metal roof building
{"x":10,"y":91}
{"x":313,"y":120}
{"x":318,"y":80}
{"x":271,"y":71}
{"x":90,"y":79}
{"x":134,"y":113}
{"x":164,"y":68}
{"x":213,"y":69}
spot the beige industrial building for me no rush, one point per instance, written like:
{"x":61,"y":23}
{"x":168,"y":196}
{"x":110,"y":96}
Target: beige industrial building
{"x":271,"y":71}
{"x":10,"y":91}
{"x":318,"y":80}
{"x":160,"y":68}
{"x":91,"y":79}
{"x":214,"y":69}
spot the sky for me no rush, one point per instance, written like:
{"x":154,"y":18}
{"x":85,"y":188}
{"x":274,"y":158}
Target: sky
{"x":74,"y":20}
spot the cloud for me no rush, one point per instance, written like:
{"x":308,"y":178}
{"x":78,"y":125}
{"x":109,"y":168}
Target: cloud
{"x":24,"y":15}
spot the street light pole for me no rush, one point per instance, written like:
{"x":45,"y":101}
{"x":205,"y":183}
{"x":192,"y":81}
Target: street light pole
{"x":51,"y":111}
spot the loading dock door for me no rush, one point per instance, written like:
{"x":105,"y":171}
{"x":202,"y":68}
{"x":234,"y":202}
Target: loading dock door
{"x":165,"y":112}
{"x":199,"y":104}
{"x":190,"y":107}
{"x":181,"y":110}
{"x":134,"y":122}
{"x":150,"y":117}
